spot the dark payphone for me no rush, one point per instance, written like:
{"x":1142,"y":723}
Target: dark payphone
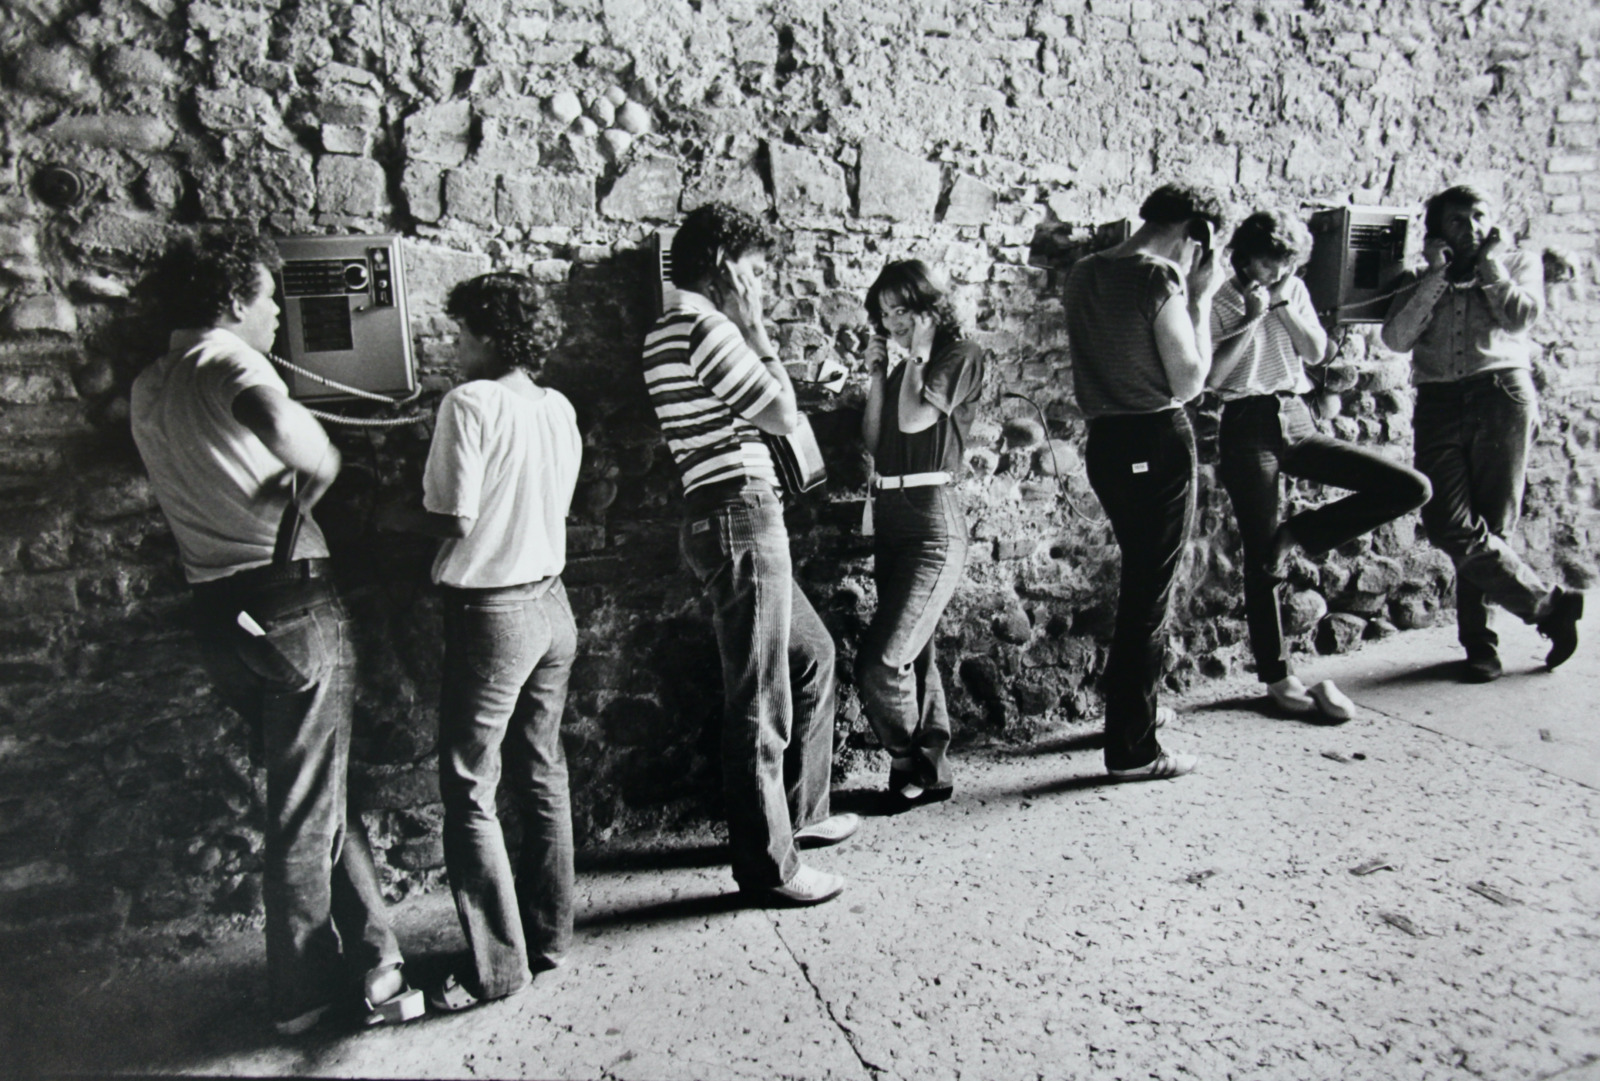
{"x":1356,"y":254}
{"x":344,"y":318}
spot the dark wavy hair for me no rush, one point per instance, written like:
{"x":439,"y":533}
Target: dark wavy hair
{"x":1174,"y":204}
{"x":1265,"y":235}
{"x":913,"y":284}
{"x":1460,"y":195}
{"x":713,"y":228}
{"x":501,"y":308}
{"x":197,"y":282}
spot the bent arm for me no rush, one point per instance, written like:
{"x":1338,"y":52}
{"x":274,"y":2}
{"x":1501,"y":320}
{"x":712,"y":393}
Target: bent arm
{"x":1405,"y":323}
{"x":782,"y":413}
{"x":913,"y":411}
{"x":1183,"y":340}
{"x":292,"y":434}
{"x":1305,"y":330}
{"x":413,"y":519}
{"x":1515,"y":293}
{"x":1230,"y":351}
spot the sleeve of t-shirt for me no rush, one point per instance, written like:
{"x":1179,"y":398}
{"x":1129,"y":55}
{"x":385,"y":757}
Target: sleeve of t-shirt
{"x":1162,"y":285}
{"x":231,"y":372}
{"x":953,"y":377}
{"x":1300,"y":299}
{"x":726,"y":366}
{"x":452,"y":481}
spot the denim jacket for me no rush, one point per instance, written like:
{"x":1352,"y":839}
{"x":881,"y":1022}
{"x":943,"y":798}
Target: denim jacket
{"x":1473,"y":328}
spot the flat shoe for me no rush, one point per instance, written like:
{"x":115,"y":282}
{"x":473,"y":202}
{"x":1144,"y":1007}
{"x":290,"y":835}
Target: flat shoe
{"x":405,"y":1004}
{"x":1291,"y":699}
{"x":809,"y":886}
{"x":1332,"y":703}
{"x":452,"y":997}
{"x":829,"y":831}
{"x":1165,"y":715}
{"x":1165,"y":767}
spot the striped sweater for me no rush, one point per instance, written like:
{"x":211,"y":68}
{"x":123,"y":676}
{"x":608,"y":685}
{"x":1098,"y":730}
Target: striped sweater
{"x":706,"y":384}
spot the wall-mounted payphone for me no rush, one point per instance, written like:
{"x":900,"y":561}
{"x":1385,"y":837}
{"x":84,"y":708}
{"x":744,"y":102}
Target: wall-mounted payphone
{"x":664,"y":292}
{"x":1356,"y":254}
{"x":344,"y":316}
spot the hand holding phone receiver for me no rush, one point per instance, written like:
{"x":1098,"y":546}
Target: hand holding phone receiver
{"x":1437,"y":252}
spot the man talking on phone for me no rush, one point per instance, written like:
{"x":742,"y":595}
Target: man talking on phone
{"x":717,"y":384}
{"x":1466,"y":319}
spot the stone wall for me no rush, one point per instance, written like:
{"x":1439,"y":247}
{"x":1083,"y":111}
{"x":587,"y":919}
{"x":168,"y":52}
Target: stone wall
{"x":554,"y":136}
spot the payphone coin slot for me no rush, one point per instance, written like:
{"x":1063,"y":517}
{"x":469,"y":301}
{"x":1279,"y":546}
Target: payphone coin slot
{"x":382,"y":278}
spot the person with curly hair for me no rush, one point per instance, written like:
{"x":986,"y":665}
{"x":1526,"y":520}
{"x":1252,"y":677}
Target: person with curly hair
{"x":498,"y":483}
{"x":232,"y":458}
{"x":716,"y":384}
{"x":916,"y":424}
{"x":1266,"y":333}
{"x":1139,"y":323}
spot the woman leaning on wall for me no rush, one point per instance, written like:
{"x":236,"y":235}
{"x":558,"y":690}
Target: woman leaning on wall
{"x":918,"y":417}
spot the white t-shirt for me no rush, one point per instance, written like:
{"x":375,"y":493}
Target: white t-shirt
{"x":208,"y":470}
{"x":510,"y":463}
{"x":1270,"y":363}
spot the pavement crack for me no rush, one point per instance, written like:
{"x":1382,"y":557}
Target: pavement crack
{"x":873,"y":1069}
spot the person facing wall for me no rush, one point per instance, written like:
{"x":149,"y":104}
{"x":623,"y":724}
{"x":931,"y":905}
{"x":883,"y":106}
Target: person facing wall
{"x":237,"y":467}
{"x":1266,"y":332}
{"x":716,"y":384}
{"x":917,"y":420}
{"x":496,"y":490}
{"x":1466,"y":319}
{"x":1139,"y":324}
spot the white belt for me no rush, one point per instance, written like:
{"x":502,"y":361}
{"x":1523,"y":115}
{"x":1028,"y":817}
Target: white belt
{"x":910,"y":480}
{"x":905,"y":480}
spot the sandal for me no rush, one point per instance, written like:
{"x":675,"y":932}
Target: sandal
{"x":405,"y":1004}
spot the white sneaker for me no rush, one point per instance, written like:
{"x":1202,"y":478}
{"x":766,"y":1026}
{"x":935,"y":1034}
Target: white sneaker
{"x":1332,"y":702}
{"x":1165,"y":767}
{"x":1291,"y":696}
{"x":809,"y":886}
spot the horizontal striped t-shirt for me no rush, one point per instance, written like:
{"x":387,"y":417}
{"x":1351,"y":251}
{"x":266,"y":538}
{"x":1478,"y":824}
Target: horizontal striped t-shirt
{"x":706,"y":384}
{"x":1270,"y":363}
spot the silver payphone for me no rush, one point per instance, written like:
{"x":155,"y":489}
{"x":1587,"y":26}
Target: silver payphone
{"x":1356,"y":254}
{"x":344,"y":317}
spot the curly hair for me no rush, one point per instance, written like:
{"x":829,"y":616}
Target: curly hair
{"x":914,"y":285}
{"x":501,"y":308}
{"x":1174,"y":204}
{"x":197,"y":282}
{"x":712,"y":229}
{"x":1265,"y":235}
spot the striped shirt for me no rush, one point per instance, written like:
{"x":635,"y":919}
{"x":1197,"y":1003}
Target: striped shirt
{"x":1112,"y":302}
{"x":1269,"y":363}
{"x":706,"y":384}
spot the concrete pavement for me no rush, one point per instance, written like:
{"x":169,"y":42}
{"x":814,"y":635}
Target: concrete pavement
{"x":1042,"y":924}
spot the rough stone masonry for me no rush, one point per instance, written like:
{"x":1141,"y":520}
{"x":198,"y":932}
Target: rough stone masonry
{"x":554,"y":136}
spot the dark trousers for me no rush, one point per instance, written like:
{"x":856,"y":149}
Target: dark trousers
{"x":1266,"y":437}
{"x":1142,"y":468}
{"x":1472,"y":439}
{"x":777,"y":678}
{"x":293,"y":686}
{"x":919,"y":552}
{"x":508,"y":654}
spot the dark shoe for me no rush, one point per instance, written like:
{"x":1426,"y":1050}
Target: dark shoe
{"x":304,"y":1022}
{"x":830,"y":831}
{"x":452,"y":996}
{"x":904,"y":788}
{"x":1560,"y":625}
{"x":1481,"y":666}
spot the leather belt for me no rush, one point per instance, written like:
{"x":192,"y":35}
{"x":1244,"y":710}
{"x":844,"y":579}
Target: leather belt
{"x":296,"y":570}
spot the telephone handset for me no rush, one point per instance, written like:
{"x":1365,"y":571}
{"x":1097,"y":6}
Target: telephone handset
{"x":1199,"y":230}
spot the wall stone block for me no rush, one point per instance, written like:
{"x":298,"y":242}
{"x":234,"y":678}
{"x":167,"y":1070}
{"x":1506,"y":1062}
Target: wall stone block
{"x":141,"y":134}
{"x":430,"y":272}
{"x":971,"y":202}
{"x":469,"y":195}
{"x":59,"y":71}
{"x":649,"y":191}
{"x":545,"y":200}
{"x":256,"y":179}
{"x":36,"y":315}
{"x":805,"y":185}
{"x":423,"y":186}
{"x":355,"y":186}
{"x":129,"y":66}
{"x":896,"y":185}
{"x":440,"y":133}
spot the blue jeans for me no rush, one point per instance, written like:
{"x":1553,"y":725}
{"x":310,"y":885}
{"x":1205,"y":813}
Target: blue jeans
{"x":777,"y":677}
{"x":508,"y":654}
{"x":1268,"y":436}
{"x":293,"y":686}
{"x":1142,"y":468}
{"x":1472,"y":439}
{"x":919,"y":551}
